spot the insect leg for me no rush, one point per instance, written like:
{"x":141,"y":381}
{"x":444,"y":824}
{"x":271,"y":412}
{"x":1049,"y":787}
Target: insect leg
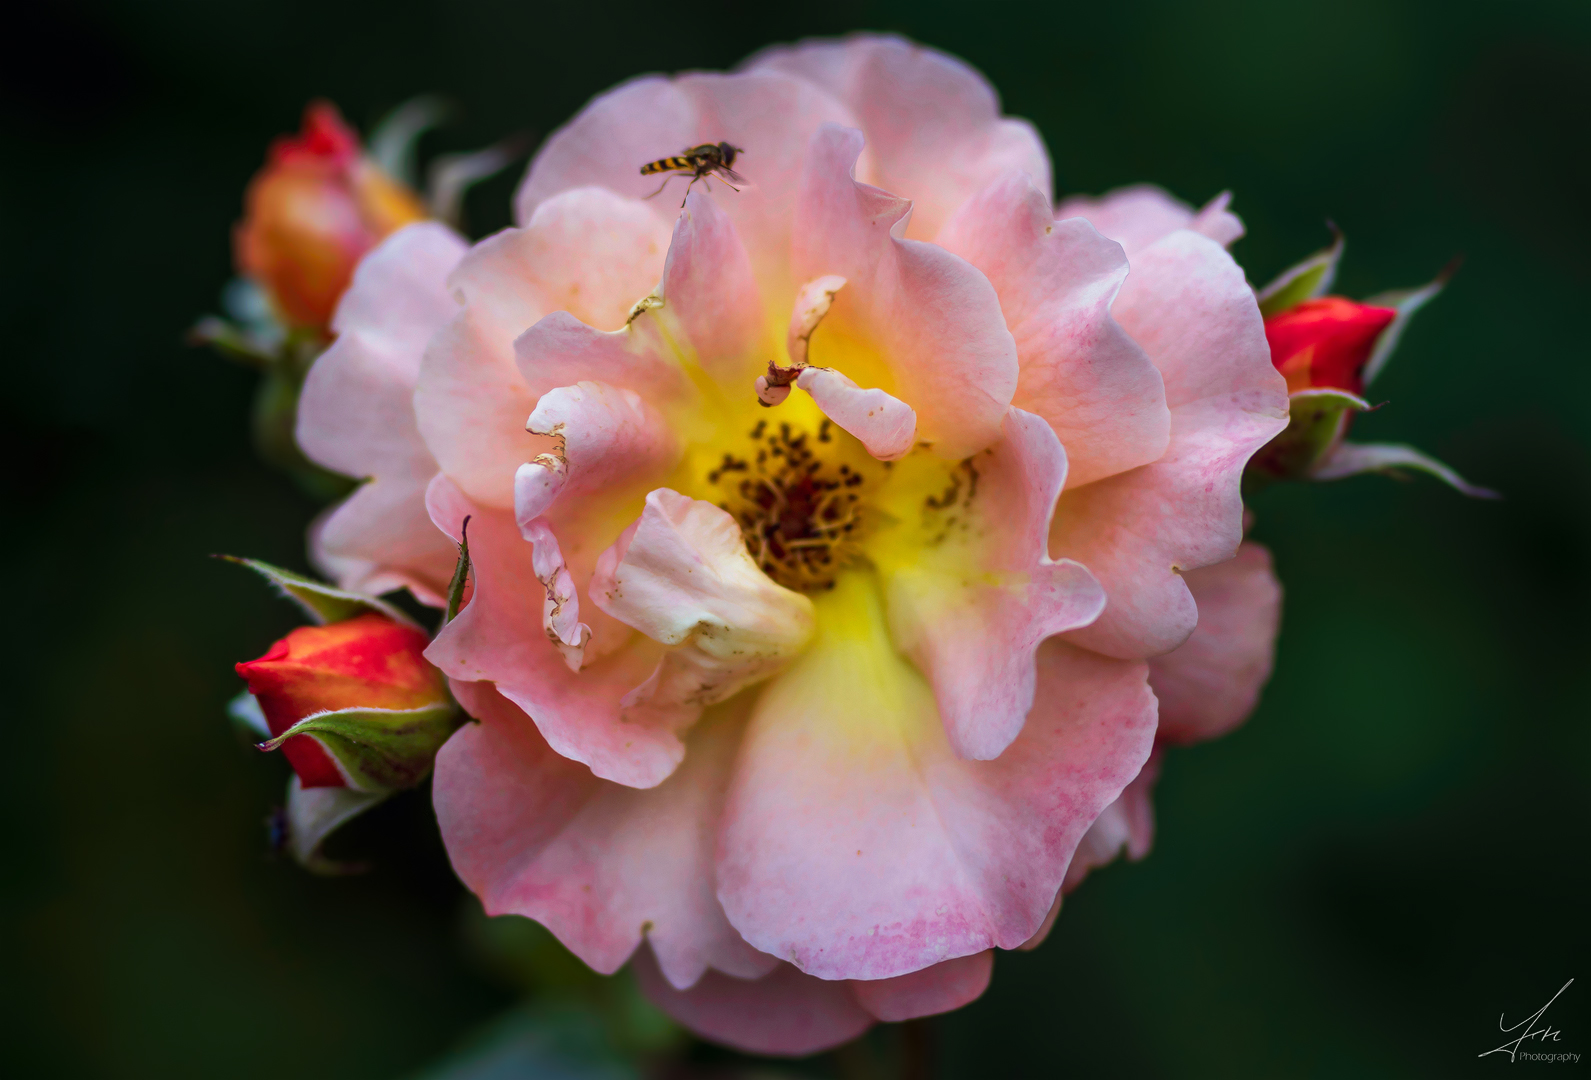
{"x":663,"y":185}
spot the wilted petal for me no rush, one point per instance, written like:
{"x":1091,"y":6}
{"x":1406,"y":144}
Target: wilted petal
{"x":885,"y":425}
{"x":1208,"y":685}
{"x":682,"y":576}
{"x":1080,"y":369}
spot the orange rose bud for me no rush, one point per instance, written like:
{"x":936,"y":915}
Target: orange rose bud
{"x":369,"y":662}
{"x":312,"y":213}
{"x":1325,"y":343}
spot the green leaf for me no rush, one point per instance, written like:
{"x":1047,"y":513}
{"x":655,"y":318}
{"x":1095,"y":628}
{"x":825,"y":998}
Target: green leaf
{"x":1405,"y":302}
{"x":1306,"y":280}
{"x":379,"y":750}
{"x":324,"y":603}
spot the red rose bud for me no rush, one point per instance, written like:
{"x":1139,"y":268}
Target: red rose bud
{"x":353,"y":703}
{"x":1326,"y":343}
{"x":318,"y":205}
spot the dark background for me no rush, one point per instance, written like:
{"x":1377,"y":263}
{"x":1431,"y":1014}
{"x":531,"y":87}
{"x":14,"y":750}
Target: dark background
{"x":1391,"y":853}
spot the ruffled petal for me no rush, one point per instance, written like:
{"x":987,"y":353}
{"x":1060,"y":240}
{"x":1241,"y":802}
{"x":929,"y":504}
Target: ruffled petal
{"x":1143,"y":214}
{"x":856,"y":844}
{"x":682,"y":576}
{"x":560,"y":350}
{"x":933,"y":123}
{"x":710,"y":290}
{"x":356,"y":417}
{"x":1080,"y":370}
{"x":609,"y":447}
{"x":932,"y":990}
{"x":1187,"y":303}
{"x":785,"y":1013}
{"x":601,"y":866}
{"x":1127,"y":826}
{"x":770,"y":116}
{"x":587,"y":252}
{"x":913,"y":320}
{"x":971,"y":607}
{"x":603,"y":438}
{"x":499,"y":637}
{"x":1209,"y":684}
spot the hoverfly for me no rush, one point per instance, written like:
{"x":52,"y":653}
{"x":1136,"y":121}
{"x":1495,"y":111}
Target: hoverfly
{"x":698,"y":162}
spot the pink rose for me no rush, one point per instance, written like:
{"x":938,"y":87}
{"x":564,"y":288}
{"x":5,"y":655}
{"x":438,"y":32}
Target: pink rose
{"x":817,"y":700}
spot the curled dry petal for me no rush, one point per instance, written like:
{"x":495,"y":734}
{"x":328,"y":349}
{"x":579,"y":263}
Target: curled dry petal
{"x":681,"y":575}
{"x":886,"y":425}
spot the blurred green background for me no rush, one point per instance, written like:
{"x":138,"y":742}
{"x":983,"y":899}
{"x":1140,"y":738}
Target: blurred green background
{"x":1391,"y":853}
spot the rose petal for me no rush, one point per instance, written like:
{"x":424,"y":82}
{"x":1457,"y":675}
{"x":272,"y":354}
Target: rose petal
{"x":1143,"y":214}
{"x":785,"y":1013}
{"x":709,"y":287}
{"x":499,"y":637}
{"x":857,"y":845}
{"x":600,"y":865}
{"x":933,"y":122}
{"x":1080,"y":369}
{"x":682,"y":576}
{"x":932,"y":990}
{"x":587,"y":252}
{"x":885,"y":425}
{"x":915,"y":321}
{"x":1187,"y":303}
{"x":770,"y":116}
{"x":1209,"y":684}
{"x":356,"y":417}
{"x":972,"y":607}
{"x":1126,"y":826}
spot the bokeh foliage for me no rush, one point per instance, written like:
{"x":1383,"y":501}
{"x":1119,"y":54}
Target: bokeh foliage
{"x":1391,"y":853}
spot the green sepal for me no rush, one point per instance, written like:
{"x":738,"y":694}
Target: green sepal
{"x":379,"y":750}
{"x":1306,"y":280}
{"x":461,"y":574}
{"x":1405,"y":302}
{"x":1354,"y":459}
{"x":322,"y":602}
{"x":313,"y":814}
{"x":394,"y":141}
{"x":1315,"y":424}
